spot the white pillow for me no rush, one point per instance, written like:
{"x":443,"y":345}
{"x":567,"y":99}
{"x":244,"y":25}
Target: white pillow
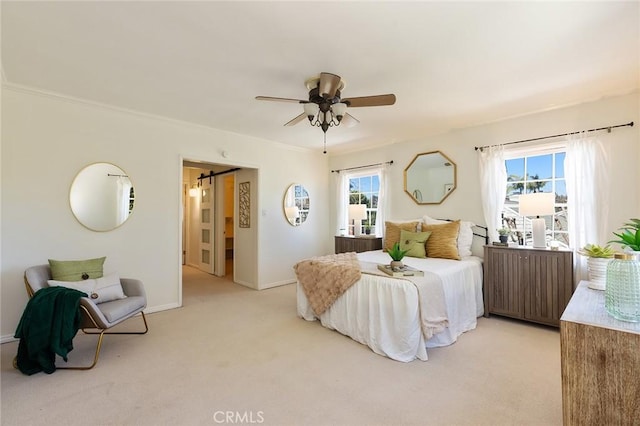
{"x":465,"y":236}
{"x":100,"y":290}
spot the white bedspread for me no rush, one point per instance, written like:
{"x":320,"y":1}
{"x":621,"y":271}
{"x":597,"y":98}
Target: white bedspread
{"x":383,"y":312}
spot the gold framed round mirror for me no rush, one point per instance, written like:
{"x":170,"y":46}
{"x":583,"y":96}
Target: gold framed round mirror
{"x":296,"y":204}
{"x":102,"y":197}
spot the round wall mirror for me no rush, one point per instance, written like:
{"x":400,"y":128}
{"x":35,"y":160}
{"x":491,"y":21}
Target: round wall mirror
{"x":430,"y":178}
{"x":101,"y":197}
{"x":296,"y":204}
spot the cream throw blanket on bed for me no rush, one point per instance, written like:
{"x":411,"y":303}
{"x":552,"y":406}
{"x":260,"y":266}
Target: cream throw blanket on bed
{"x":432,"y":307}
{"x":325,"y":278}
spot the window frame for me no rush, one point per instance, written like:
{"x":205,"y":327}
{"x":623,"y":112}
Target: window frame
{"x":561,"y":208}
{"x":372,"y":212}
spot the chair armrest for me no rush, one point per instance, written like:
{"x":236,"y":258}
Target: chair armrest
{"x":95,"y":316}
{"x":133,"y":287}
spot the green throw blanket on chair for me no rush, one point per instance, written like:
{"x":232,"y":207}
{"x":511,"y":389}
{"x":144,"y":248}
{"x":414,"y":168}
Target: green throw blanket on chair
{"x":48,"y":325}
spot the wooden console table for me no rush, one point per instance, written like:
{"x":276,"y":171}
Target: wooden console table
{"x":600,"y":363}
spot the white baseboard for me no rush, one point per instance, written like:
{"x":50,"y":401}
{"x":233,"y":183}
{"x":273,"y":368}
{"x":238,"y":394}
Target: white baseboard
{"x":152,"y":309}
{"x":7,"y":339}
{"x":149,"y":310}
{"x":277,"y":284}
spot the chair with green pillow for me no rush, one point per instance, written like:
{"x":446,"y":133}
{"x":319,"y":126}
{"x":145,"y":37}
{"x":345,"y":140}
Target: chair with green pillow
{"x":111,"y":300}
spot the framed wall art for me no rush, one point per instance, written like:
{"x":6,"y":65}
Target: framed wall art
{"x":244,"y":205}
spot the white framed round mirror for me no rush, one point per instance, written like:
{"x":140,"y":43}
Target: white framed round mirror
{"x":430,"y":178}
{"x":296,"y":204}
{"x":102,"y":197}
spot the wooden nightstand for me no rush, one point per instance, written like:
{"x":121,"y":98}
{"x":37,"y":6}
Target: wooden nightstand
{"x":358,"y":244}
{"x":527,"y":283}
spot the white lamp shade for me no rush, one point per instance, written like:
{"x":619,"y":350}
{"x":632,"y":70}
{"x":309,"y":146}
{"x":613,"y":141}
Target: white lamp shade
{"x":193,"y":192}
{"x":357,"y":211}
{"x":537,"y":204}
{"x":311,"y":109}
{"x":339,"y":109}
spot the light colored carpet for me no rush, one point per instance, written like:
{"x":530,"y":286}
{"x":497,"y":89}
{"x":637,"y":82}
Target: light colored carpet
{"x":233,"y":355}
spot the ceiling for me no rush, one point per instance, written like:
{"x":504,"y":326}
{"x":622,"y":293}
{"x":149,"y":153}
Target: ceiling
{"x":450,"y":64}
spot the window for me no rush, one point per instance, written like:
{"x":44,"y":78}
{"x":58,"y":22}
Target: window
{"x":365,"y":189}
{"x":536,"y":173}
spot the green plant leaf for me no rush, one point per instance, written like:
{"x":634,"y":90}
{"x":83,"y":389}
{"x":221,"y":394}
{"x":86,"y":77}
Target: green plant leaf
{"x":396,"y":253}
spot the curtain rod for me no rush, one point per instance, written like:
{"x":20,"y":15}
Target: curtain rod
{"x":608,"y":129}
{"x":362,"y":167}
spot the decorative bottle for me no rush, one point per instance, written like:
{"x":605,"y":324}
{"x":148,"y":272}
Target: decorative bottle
{"x":622,"y":294}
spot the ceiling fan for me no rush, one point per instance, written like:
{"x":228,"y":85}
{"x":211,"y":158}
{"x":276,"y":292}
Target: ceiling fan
{"x":325,"y":108}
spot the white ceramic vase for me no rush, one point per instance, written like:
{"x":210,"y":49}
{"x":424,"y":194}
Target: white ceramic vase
{"x":396,"y":265}
{"x":597,"y":267}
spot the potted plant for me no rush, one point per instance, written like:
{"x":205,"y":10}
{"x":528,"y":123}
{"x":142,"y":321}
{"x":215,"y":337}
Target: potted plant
{"x":396,"y":257}
{"x":504,"y":234}
{"x":630,"y":235}
{"x":598,"y":259}
{"x":367,"y":229}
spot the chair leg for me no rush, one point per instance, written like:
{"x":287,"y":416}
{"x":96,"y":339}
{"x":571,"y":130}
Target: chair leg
{"x":99,"y":345}
{"x":95,"y":358}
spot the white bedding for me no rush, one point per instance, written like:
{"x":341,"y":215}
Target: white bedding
{"x":383,"y":313}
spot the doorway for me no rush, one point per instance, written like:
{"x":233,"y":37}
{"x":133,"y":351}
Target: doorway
{"x":208,"y":217}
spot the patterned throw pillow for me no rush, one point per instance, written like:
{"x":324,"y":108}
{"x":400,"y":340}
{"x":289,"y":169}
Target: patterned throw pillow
{"x":465,"y":236}
{"x":443,"y":241}
{"x":392,"y":232}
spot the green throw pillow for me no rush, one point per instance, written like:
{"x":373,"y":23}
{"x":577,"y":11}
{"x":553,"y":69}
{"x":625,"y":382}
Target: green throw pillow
{"x":76,"y":270}
{"x":414,"y":242}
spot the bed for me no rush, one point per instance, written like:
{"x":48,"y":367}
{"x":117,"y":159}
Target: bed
{"x":387,"y":313}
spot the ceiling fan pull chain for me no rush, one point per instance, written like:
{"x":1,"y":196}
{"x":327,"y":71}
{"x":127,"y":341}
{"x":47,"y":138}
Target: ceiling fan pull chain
{"x":325,"y":144}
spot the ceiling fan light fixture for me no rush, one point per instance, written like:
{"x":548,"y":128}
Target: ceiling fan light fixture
{"x":339,"y":110}
{"x":325,"y":107}
{"x":311,"y":109}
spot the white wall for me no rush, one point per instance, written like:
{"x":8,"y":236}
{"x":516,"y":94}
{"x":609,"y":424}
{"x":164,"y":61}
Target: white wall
{"x":47,"y":140}
{"x":623,"y":146}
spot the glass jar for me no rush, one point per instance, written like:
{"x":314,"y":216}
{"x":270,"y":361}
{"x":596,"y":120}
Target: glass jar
{"x":622,"y":294}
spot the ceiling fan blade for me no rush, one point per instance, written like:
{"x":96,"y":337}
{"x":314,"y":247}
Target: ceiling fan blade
{"x":328,"y":84}
{"x":296,"y":120}
{"x":271,"y":98}
{"x":365,"y":101}
{"x":349,"y":120}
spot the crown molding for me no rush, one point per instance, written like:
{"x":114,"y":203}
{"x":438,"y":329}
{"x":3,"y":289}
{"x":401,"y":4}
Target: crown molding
{"x":19,"y":88}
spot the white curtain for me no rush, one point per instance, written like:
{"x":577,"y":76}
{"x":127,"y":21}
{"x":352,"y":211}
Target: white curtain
{"x":585,"y":168}
{"x":493,"y":187}
{"x":383,"y":203}
{"x":341,"y":182}
{"x":124,"y":188}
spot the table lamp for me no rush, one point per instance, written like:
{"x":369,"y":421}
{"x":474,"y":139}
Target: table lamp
{"x":537,"y":204}
{"x":357,"y":213}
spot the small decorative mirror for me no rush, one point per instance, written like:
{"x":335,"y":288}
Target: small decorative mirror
{"x":101,"y":197}
{"x":296,"y":204}
{"x":430,"y":178}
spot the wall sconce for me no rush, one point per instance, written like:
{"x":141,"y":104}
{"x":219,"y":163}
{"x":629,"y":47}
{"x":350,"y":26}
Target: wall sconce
{"x":193,"y":191}
{"x":537,"y":204}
